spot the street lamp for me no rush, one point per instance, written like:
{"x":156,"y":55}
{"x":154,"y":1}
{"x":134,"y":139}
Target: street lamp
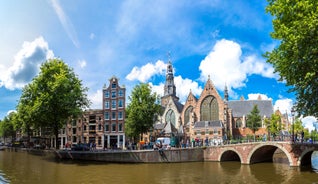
{"x":293,"y":128}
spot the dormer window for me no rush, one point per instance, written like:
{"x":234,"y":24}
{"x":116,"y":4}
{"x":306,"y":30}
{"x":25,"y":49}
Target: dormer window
{"x":114,"y":85}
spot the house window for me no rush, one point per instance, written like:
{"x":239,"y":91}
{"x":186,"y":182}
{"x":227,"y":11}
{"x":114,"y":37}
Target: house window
{"x":106,"y":115}
{"x":198,"y":132}
{"x":113,"y":115}
{"x":113,"y":104}
{"x":120,"y":103}
{"x":106,"y":94}
{"x":114,"y":85}
{"x":106,"y":127}
{"x":120,"y":115}
{"x":99,"y":127}
{"x":120,"y":93}
{"x":113,"y":127}
{"x":73,"y":122}
{"x":74,"y":138}
{"x":113,"y":94}
{"x":120,"y":127}
{"x":106,"y":104}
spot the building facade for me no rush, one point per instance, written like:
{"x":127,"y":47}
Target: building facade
{"x":114,"y":97}
{"x":209,"y":118}
{"x":104,"y":127}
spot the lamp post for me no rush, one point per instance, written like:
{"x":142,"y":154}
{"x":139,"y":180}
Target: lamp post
{"x":293,"y":128}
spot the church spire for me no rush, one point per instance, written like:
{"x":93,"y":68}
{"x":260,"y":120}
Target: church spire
{"x":226,"y":93}
{"x":170,"y":88}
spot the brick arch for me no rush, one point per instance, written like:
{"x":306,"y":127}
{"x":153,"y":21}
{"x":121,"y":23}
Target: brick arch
{"x":269,"y":147}
{"x":305,"y":157}
{"x":230,"y":150}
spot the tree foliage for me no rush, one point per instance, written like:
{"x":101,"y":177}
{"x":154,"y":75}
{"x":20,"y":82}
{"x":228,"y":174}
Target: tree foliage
{"x":7,"y":126}
{"x":274,"y":124}
{"x":55,"y":95}
{"x":295,"y":25}
{"x":254,"y":120}
{"x":142,"y":110}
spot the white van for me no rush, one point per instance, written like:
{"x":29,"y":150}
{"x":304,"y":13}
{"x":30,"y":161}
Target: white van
{"x":163,"y":141}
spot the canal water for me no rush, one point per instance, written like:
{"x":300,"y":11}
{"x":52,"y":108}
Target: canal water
{"x":21,"y":167}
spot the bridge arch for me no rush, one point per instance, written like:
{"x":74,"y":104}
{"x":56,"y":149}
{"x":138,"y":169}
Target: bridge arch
{"x":305,"y":157}
{"x":264,"y":153}
{"x":230,"y":154}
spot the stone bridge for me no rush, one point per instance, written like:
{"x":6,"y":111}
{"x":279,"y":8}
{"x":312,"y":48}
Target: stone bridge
{"x":295,"y":154}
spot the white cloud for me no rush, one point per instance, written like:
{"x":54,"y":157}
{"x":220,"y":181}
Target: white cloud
{"x":183,"y":87}
{"x":157,"y":88}
{"x":309,"y":122}
{"x":66,"y":23}
{"x":225,"y":65}
{"x":82,"y":63}
{"x":96,"y":99}
{"x":254,"y":96}
{"x":144,"y":73}
{"x":283,"y":105}
{"x":26,"y":64}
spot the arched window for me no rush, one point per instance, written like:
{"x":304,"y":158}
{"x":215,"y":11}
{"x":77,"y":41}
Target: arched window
{"x":170,"y":117}
{"x":238,"y":123}
{"x":187,"y":114}
{"x":209,"y":109}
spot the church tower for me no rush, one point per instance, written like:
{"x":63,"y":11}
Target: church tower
{"x":169,"y":88}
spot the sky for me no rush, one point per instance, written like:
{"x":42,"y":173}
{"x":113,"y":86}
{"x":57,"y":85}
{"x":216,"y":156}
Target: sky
{"x":133,"y":40}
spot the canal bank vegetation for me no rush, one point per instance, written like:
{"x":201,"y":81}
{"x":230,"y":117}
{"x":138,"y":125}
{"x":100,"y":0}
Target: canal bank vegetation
{"x":53,"y":96}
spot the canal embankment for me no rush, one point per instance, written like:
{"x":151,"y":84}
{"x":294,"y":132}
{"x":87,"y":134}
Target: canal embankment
{"x":123,"y":156}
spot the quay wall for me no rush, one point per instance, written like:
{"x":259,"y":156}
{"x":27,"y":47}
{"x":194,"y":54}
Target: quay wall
{"x":135,"y":156}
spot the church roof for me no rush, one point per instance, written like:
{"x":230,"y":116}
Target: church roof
{"x":244,"y":107}
{"x":159,"y":126}
{"x":178,"y":105}
{"x":208,"y":124}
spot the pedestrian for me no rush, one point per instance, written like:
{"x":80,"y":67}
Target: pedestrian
{"x":206,"y":141}
{"x":264,"y":137}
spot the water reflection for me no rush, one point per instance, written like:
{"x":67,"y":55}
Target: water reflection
{"x":3,"y":179}
{"x":26,"y":168}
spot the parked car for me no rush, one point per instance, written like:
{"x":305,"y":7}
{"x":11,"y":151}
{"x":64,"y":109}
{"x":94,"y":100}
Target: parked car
{"x":80,"y":147}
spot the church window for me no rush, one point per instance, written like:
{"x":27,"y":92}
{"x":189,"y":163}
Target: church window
{"x":238,"y":123}
{"x":170,"y":117}
{"x":209,"y":109}
{"x":187,"y":114}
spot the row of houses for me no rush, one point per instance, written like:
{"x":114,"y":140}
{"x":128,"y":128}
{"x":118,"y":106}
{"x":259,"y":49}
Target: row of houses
{"x":207,"y":117}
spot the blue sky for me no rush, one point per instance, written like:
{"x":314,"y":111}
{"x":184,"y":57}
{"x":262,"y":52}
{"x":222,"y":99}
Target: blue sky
{"x":131,"y":40}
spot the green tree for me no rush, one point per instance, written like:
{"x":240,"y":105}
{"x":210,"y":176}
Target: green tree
{"x":26,"y":119}
{"x":7,"y":126}
{"x":55,"y":95}
{"x":142,"y":111}
{"x":274,"y":124}
{"x":295,"y":25}
{"x":254,"y":120}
